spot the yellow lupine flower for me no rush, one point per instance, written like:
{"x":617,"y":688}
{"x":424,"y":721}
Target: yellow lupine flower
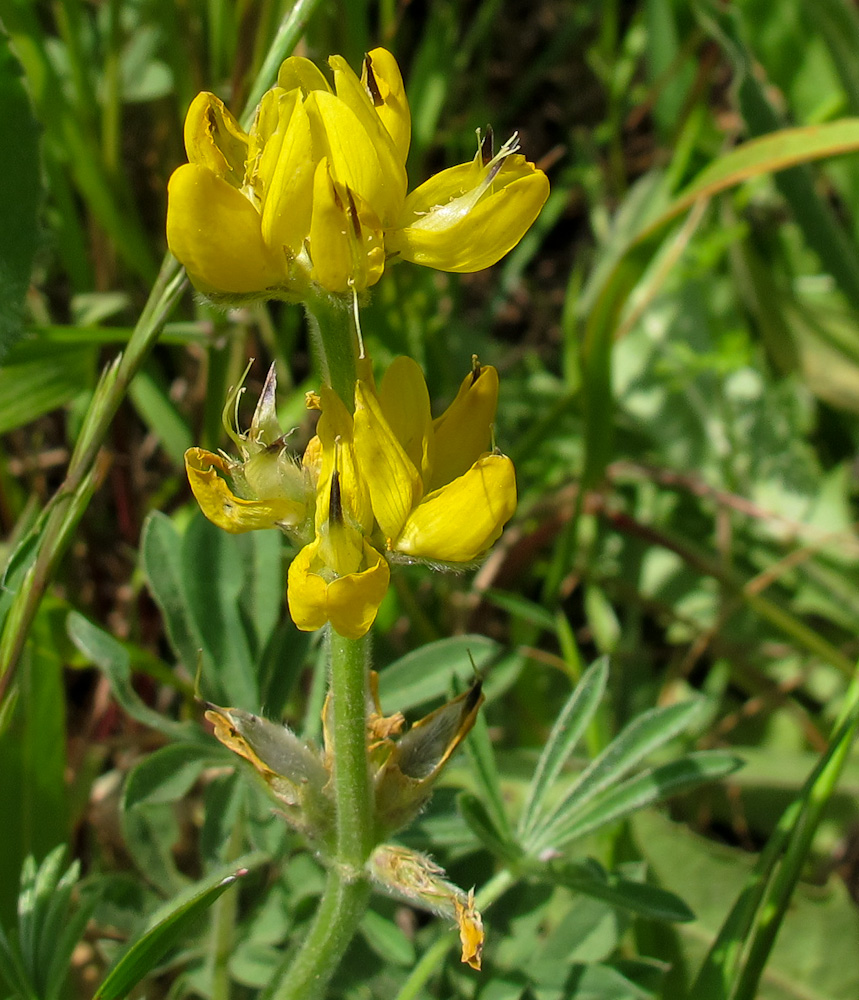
{"x":266,"y":488}
{"x":436,"y":491}
{"x":315,"y":192}
{"x":339,"y":577}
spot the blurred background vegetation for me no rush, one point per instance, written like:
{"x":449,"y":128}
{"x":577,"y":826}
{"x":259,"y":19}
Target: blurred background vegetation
{"x":679,"y":395}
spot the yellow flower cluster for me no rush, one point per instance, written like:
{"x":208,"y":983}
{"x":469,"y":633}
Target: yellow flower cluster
{"x":315,"y":193}
{"x":386,"y":482}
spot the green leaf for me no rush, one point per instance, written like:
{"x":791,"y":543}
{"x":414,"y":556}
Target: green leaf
{"x":166,"y":928}
{"x":425,"y":673}
{"x":167,"y":774}
{"x":483,"y":827}
{"x":19,"y":168}
{"x":33,"y":764}
{"x":38,"y":377}
{"x":215,"y":570}
{"x":478,"y":746}
{"x":160,"y":552}
{"x":640,"y":898}
{"x":642,"y":790}
{"x":111,"y":657}
{"x":642,"y":736}
{"x":565,"y":735}
{"x":387,"y":940}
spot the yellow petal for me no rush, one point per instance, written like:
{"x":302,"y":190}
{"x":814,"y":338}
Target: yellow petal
{"x":393,"y":481}
{"x":215,"y":232}
{"x":223,"y":508}
{"x":354,"y":600}
{"x":462,"y":234}
{"x":471,"y":934}
{"x":264,"y":140}
{"x":365,"y":163}
{"x":459,"y":522}
{"x":349,"y":603}
{"x":346,"y":243}
{"x":306,"y":591}
{"x":301,"y":73}
{"x":406,"y":405}
{"x":334,"y":433}
{"x":462,"y":432}
{"x":215,"y":140}
{"x":388,"y":202}
{"x":389,"y":97}
{"x":287,"y":168}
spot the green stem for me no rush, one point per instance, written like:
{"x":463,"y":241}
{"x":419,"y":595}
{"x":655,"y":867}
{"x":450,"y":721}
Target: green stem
{"x":347,"y":888}
{"x":356,"y":836}
{"x":340,"y":910}
{"x":335,"y":344}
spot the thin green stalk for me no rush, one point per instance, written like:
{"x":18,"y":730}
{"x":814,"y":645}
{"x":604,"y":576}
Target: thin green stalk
{"x":290,"y":30}
{"x":347,"y":887}
{"x":67,"y":506}
{"x":816,"y":796}
{"x":757,"y":921}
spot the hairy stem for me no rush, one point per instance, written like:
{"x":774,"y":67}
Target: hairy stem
{"x":335,"y":342}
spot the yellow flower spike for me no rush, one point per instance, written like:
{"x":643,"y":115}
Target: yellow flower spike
{"x":215,"y":140}
{"x":466,"y":218}
{"x":346,"y":243}
{"x":382,"y":78}
{"x":228,"y":511}
{"x":405,"y":403}
{"x":350,"y":602}
{"x":215,"y":232}
{"x":394,"y":484}
{"x":463,"y":432}
{"x":458,"y":523}
{"x":259,"y":217}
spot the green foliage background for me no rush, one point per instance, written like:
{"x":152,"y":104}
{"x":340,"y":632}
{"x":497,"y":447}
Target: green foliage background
{"x":678,"y":341}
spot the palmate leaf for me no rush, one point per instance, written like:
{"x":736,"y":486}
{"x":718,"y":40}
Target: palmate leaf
{"x":35,"y":961}
{"x":591,"y":879}
{"x":647,"y":788}
{"x":564,"y":737}
{"x":641,"y":737}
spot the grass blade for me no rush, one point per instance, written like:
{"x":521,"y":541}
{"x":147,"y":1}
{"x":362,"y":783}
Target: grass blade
{"x":169,"y":925}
